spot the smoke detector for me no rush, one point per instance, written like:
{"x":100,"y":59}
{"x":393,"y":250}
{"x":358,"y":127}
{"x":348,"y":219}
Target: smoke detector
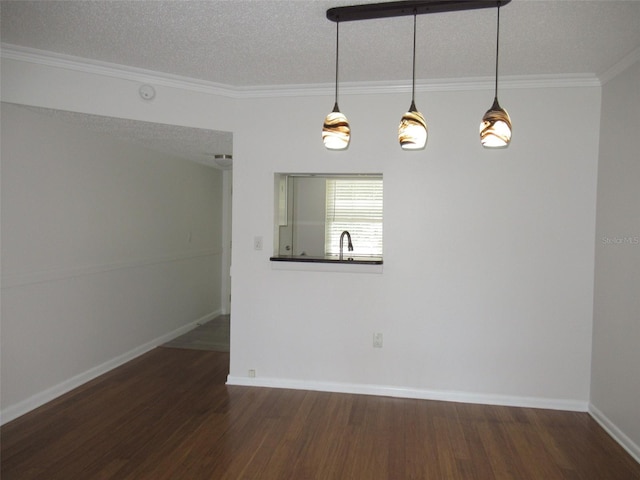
{"x":147,"y":92}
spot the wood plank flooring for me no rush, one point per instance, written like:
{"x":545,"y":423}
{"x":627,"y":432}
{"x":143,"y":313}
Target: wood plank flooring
{"x":168,"y":415}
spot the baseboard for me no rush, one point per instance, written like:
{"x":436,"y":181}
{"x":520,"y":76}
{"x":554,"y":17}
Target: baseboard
{"x":614,"y":431}
{"x":421,"y":394}
{"x":14,"y":411}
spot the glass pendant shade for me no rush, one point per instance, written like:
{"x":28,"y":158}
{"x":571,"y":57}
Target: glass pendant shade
{"x":495,"y":129}
{"x":412,"y":132}
{"x":336,"y":132}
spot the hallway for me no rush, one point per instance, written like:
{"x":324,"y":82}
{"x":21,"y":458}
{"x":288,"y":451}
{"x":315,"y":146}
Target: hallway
{"x":212,"y":336}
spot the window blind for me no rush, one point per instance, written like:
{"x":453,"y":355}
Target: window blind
{"x":355,"y":205}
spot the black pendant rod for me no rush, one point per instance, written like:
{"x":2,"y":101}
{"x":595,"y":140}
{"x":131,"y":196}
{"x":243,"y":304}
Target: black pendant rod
{"x":497,"y":50}
{"x":409,"y":7}
{"x":337,"y":53}
{"x":413,"y":84}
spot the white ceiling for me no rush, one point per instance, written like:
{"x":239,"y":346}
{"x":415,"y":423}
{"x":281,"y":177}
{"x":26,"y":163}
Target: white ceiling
{"x":195,"y":144}
{"x":291,"y":42}
{"x":258,"y":43}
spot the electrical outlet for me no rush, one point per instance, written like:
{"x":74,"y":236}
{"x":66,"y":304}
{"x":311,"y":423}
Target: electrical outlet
{"x":377,"y":340}
{"x":257,"y":243}
{"x":252,"y":373}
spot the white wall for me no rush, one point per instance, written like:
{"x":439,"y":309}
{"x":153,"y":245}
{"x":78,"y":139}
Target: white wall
{"x":106,"y":248}
{"x":100,"y":91}
{"x":486,"y":293}
{"x":227,"y":204}
{"x":615,"y":388}
{"x":487,"y":289}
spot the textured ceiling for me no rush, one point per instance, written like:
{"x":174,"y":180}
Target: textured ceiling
{"x":290,"y":42}
{"x":255,"y":43}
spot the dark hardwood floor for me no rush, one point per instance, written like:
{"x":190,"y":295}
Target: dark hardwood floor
{"x":168,"y":415}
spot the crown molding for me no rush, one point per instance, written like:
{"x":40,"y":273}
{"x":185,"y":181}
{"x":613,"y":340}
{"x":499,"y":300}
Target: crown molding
{"x":140,"y":75}
{"x":627,"y":61}
{"x":436,"y":85}
{"x":106,"y":69}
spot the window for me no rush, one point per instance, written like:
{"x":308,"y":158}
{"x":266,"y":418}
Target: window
{"x":354,"y":205}
{"x":312,"y":210}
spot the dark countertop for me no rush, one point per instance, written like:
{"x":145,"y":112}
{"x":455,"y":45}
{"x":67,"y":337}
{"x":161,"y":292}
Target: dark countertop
{"x":328,"y":259}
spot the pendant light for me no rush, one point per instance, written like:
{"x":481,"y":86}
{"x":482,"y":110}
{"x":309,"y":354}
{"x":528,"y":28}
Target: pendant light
{"x":412,"y":132}
{"x":495,"y":129}
{"x":336,"y":133}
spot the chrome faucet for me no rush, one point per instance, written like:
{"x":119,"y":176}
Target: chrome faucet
{"x":349,"y":244}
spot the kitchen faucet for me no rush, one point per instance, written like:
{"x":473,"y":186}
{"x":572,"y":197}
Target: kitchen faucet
{"x":349,"y":244}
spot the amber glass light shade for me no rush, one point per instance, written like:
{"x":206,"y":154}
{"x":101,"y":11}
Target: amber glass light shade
{"x":412,"y":132}
{"x":336,"y":133}
{"x":495,"y":128}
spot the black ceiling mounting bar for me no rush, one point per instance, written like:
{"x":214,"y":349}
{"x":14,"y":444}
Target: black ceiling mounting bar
{"x":410,"y":7}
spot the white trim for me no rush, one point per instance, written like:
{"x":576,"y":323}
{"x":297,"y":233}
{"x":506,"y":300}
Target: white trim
{"x":615,"y":432}
{"x":107,"y":69}
{"x":12,"y":280}
{"x":421,"y":394}
{"x":142,"y":76}
{"x":626,"y":62}
{"x":472,"y":83}
{"x":436,"y":85}
{"x":227,"y":211}
{"x":14,"y":411}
